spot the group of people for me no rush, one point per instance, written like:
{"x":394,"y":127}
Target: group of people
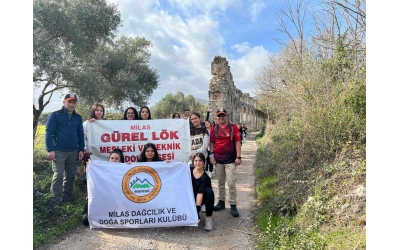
{"x":217,"y":144}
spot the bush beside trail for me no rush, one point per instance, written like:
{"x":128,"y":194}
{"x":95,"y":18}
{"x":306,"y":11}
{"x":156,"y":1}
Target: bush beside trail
{"x":49,"y":220}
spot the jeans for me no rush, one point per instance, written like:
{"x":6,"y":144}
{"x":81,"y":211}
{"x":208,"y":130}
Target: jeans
{"x":208,"y":165}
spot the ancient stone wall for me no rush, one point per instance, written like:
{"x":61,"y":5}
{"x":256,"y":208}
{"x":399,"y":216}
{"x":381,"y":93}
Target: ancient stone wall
{"x":222,"y":93}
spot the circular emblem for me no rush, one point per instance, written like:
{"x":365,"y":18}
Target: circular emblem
{"x":141,"y":184}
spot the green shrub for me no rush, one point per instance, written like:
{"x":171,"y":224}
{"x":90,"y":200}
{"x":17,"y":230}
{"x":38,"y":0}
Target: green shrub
{"x":280,"y":232}
{"x":49,"y":220}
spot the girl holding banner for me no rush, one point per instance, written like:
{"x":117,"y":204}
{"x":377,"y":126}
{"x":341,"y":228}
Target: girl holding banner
{"x":115,"y":156}
{"x":202,"y":189}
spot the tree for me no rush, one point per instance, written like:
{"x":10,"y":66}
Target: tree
{"x":291,"y":24}
{"x":121,"y":74}
{"x":74,"y":50}
{"x":177,"y":102}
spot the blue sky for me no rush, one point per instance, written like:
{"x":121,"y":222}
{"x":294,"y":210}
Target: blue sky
{"x":186,"y":35}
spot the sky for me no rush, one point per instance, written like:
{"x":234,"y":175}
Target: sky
{"x":187,"y":35}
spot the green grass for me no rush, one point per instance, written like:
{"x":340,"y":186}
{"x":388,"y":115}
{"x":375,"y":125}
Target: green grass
{"x":263,"y":189}
{"x":39,"y":141}
{"x":345,"y":238}
{"x":49,"y":220}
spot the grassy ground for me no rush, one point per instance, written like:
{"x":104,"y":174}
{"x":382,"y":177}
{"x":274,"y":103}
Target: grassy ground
{"x":49,"y":220}
{"x":329,"y":208}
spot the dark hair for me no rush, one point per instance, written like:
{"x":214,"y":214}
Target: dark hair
{"x":118,"y":151}
{"x":93,"y":110}
{"x":134,"y":111}
{"x":208,"y":122}
{"x":201,"y":155}
{"x":140,"y":112}
{"x":196,"y":114}
{"x":176,"y":113}
{"x":142,"y":156}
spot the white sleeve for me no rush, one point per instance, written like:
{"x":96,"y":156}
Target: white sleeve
{"x":205,"y":145}
{"x":85,"y":132}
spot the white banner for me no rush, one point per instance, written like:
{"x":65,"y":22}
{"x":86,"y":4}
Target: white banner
{"x":140,"y":195}
{"x":171,"y":137}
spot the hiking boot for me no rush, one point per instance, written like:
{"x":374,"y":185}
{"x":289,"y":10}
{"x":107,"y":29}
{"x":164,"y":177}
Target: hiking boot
{"x":56,"y":201}
{"x":85,"y":220}
{"x":65,"y":199}
{"x":220,"y":205}
{"x":234,"y":211}
{"x":203,"y":208}
{"x":209,"y":224}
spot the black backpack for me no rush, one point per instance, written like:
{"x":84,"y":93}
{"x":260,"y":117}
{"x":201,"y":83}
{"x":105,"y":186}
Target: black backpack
{"x":231,"y":129}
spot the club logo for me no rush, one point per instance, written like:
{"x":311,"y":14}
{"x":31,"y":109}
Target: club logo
{"x":141,"y":184}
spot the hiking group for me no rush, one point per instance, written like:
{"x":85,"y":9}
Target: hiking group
{"x":213,"y":145}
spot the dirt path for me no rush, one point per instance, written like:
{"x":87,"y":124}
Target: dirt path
{"x":228,"y":232}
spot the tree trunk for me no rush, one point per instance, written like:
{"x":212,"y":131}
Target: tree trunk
{"x":36,"y":115}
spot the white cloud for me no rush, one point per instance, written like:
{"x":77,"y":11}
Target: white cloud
{"x":186,"y":35}
{"x":256,"y":9}
{"x":190,"y":7}
{"x":182,"y":48}
{"x":246,"y":67}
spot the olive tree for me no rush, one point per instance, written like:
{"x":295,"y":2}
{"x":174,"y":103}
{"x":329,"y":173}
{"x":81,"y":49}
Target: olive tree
{"x":176,"y":102}
{"x":74,"y":49}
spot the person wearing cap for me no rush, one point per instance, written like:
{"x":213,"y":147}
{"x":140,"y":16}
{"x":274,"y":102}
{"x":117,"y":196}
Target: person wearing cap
{"x":64,"y":139}
{"x":225,"y":154}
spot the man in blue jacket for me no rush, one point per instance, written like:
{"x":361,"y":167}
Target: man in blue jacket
{"x":65,"y":144}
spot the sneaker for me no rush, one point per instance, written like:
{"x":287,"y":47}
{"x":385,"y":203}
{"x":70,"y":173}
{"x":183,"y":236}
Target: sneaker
{"x":234,"y":211}
{"x":220,"y":205}
{"x":203,"y":208}
{"x":85,"y":220}
{"x":209,"y":224}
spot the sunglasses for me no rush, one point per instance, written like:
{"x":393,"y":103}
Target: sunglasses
{"x":221,"y":115}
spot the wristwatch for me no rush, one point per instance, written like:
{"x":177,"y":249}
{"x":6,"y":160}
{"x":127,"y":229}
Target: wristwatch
{"x":239,"y":157}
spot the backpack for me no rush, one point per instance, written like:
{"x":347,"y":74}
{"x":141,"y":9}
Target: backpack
{"x":231,"y":129}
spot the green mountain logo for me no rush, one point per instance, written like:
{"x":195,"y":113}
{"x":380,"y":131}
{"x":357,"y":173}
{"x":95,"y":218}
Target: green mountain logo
{"x":140,"y":184}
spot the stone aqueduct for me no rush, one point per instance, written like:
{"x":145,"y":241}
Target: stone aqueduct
{"x":222,"y":93}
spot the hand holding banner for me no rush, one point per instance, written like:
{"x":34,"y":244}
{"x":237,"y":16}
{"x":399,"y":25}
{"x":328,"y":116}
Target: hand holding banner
{"x":171,"y":137}
{"x":140,"y":195}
